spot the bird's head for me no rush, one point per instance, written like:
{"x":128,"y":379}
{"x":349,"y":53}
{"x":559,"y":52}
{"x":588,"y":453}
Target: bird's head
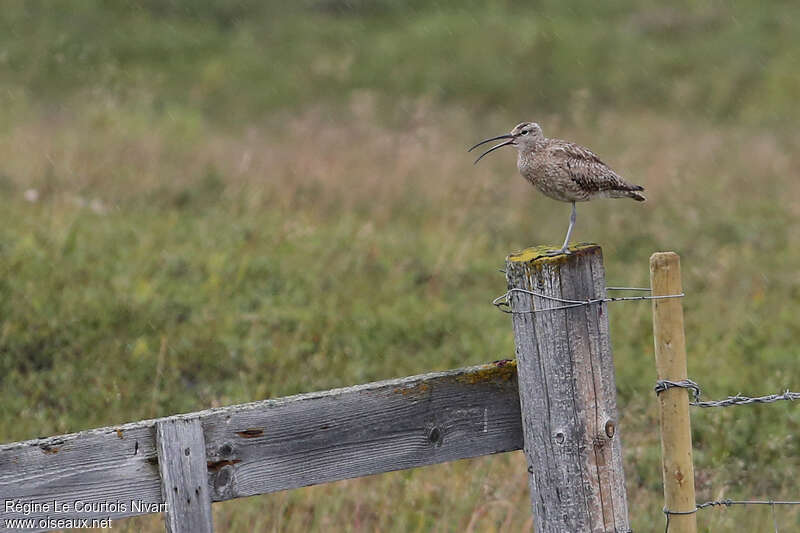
{"x":524,"y":136}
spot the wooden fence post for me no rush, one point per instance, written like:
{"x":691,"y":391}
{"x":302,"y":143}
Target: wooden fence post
{"x":567,"y":392}
{"x":676,"y":431}
{"x":184,"y":475}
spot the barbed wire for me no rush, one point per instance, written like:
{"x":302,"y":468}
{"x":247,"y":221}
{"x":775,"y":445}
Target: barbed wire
{"x":729,"y":503}
{"x":738,"y":399}
{"x":665,"y":384}
{"x":503,"y":302}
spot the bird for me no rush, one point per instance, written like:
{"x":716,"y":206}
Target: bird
{"x":562,"y":170}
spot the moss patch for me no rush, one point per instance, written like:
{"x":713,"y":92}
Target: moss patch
{"x":538,"y":254}
{"x":497,"y":372}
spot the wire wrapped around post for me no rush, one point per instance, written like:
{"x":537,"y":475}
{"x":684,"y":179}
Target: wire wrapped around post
{"x":567,"y":390}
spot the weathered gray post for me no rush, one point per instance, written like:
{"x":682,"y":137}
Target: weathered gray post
{"x":567,"y":391}
{"x":184,"y":475}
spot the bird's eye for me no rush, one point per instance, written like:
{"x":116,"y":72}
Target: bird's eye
{"x":525,"y":132}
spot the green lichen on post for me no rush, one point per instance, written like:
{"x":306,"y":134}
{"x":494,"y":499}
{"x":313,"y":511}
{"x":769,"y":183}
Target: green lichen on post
{"x":537,"y":256}
{"x":498,"y":372}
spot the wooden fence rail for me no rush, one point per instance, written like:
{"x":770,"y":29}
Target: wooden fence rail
{"x":179,"y":465}
{"x":261,"y":447}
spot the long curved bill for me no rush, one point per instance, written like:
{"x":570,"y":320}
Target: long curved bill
{"x":493,"y":148}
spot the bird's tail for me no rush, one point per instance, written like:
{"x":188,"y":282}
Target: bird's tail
{"x":634,"y":191}
{"x":636,"y":195}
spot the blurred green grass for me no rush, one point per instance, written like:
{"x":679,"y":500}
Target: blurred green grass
{"x":240,"y":59}
{"x":207,"y":204}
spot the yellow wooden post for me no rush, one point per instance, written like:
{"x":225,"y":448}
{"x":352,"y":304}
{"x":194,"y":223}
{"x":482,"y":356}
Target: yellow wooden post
{"x":676,"y":431}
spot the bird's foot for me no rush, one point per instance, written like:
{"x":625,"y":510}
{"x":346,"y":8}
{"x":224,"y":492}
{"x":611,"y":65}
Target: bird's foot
{"x":551,"y":253}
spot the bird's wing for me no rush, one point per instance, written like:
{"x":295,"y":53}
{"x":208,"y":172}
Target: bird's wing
{"x":587,"y":170}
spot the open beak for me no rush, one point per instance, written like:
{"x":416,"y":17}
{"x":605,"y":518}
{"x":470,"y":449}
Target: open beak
{"x":495,"y":147}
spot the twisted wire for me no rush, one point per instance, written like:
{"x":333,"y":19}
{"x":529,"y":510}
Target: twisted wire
{"x":503,"y":302}
{"x":738,"y":399}
{"x":665,"y":384}
{"x":729,"y":503}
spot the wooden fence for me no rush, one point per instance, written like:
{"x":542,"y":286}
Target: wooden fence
{"x":263,"y":447}
{"x":181,"y":464}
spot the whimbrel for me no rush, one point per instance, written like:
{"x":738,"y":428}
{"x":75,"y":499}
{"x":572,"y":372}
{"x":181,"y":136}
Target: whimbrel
{"x":563,"y":170}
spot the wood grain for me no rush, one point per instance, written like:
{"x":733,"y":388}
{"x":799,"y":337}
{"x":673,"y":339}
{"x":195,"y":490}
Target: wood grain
{"x":184,"y":482}
{"x":670,"y":351}
{"x":278,"y":444}
{"x":567,"y":392}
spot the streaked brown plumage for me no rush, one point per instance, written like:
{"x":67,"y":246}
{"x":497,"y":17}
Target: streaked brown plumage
{"x":563,"y":170}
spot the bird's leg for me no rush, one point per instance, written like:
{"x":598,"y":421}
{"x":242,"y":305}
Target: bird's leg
{"x":572,"y":218}
{"x":565,"y":247}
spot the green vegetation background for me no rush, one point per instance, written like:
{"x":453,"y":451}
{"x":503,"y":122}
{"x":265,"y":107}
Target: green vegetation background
{"x":205,"y":203}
